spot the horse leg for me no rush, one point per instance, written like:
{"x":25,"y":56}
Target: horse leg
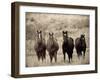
{"x":51,"y":58}
{"x":44,"y":54}
{"x":69,"y":57}
{"x":84,"y":53}
{"x":64,"y":55}
{"x":55,"y":55}
{"x":78,"y":54}
{"x":38,"y":56}
{"x":42,"y":57}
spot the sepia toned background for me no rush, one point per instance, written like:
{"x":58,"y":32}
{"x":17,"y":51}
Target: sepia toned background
{"x":56,"y":23}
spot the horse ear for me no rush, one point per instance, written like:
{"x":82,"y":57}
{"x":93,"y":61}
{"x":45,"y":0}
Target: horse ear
{"x":40,"y":31}
{"x":66,"y":32}
{"x":63,"y":32}
{"x":82,"y":35}
{"x":37,"y":31}
{"x":49,"y":33}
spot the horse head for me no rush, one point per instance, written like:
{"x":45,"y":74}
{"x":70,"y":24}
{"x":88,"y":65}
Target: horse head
{"x":82,"y":39}
{"x":51,"y":35}
{"x":65,"y":35}
{"x":39,"y":36}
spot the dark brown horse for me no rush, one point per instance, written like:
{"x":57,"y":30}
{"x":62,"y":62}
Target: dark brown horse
{"x":80,"y":45}
{"x":40,"y":46}
{"x":52,"y":47}
{"x":67,"y":46}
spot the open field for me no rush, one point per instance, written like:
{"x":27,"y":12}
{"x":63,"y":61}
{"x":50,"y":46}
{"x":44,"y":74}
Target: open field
{"x":56,"y":23}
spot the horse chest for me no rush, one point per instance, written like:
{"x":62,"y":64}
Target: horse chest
{"x":65,"y":46}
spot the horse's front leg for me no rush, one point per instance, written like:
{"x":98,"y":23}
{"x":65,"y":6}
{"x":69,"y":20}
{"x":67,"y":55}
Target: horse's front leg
{"x":55,"y":55}
{"x":64,"y":55}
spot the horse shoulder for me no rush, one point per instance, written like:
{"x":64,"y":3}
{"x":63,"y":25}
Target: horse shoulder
{"x":36,"y":45}
{"x":70,"y":41}
{"x":77,"y":42}
{"x":48,"y":45}
{"x":56,"y":44}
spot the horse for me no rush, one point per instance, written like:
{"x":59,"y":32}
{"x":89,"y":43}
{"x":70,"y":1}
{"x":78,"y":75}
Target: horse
{"x":52,"y":47}
{"x":40,"y":46}
{"x":67,"y":45}
{"x":80,"y":45}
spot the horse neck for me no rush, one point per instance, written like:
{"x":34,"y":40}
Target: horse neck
{"x":51,"y":41}
{"x":66,"y":40}
{"x":82,"y":41}
{"x":39,"y":40}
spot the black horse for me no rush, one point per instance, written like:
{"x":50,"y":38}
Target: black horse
{"x":52,"y":47}
{"x":40,"y":46}
{"x":80,"y":45}
{"x":67,"y":46}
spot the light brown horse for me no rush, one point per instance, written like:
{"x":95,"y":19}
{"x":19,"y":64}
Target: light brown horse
{"x":52,"y":47}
